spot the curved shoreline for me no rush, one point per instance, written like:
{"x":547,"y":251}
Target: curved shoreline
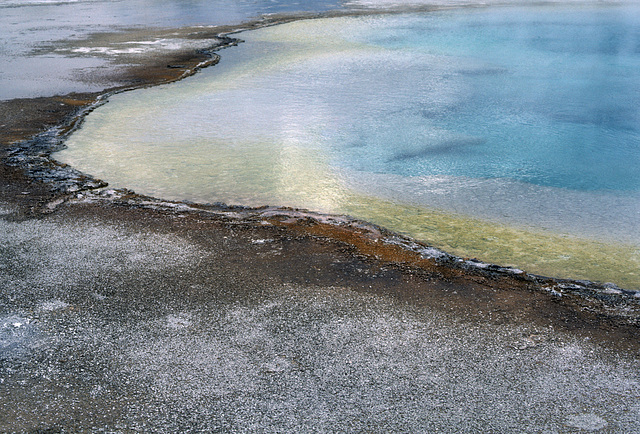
{"x":27,"y":167}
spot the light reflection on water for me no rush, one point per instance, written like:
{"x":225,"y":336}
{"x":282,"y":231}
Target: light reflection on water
{"x":450,"y":127}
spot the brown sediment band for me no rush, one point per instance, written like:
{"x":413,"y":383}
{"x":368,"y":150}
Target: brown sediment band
{"x":469,"y":285}
{"x":337,"y":250}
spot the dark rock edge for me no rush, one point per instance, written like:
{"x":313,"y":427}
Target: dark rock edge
{"x":35,"y":184}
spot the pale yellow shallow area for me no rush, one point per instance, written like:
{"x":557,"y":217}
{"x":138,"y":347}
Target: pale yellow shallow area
{"x":536,"y":252}
{"x":263,"y":174}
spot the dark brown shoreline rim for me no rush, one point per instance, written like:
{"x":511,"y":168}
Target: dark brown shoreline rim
{"x":36,"y":184}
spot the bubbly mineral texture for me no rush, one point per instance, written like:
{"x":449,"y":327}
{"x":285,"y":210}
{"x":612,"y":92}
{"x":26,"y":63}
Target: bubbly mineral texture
{"x":131,"y":314}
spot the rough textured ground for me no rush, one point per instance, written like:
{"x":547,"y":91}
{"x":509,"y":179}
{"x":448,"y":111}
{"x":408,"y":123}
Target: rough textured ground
{"x":125,"y":317}
{"x":154,"y":322}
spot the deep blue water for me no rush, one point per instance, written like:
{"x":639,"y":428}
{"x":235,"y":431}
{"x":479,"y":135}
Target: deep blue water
{"x":551,"y":99}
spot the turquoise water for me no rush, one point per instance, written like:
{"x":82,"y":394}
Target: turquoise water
{"x":547,"y":98}
{"x":509,"y":134}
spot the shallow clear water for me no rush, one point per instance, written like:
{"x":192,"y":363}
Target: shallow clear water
{"x":508,"y":134}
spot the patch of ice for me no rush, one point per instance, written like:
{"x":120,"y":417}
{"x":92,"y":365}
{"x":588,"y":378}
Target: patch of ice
{"x":279,"y":364}
{"x":262,"y":241}
{"x":611,"y":288}
{"x":108,"y":50}
{"x":4,"y":210}
{"x":477,"y":264}
{"x":425,"y":252}
{"x":53,"y":305}
{"x":297,"y":215}
{"x":432,"y":252}
{"x":586,"y":421}
{"x":13,"y":322}
{"x":570,"y":286}
{"x":132,"y":47}
{"x":179,"y":321}
{"x":16,"y":333}
{"x":552,"y":291}
{"x":167,"y":44}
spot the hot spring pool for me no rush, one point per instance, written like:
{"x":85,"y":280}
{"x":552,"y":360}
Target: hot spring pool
{"x":510,"y":134}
